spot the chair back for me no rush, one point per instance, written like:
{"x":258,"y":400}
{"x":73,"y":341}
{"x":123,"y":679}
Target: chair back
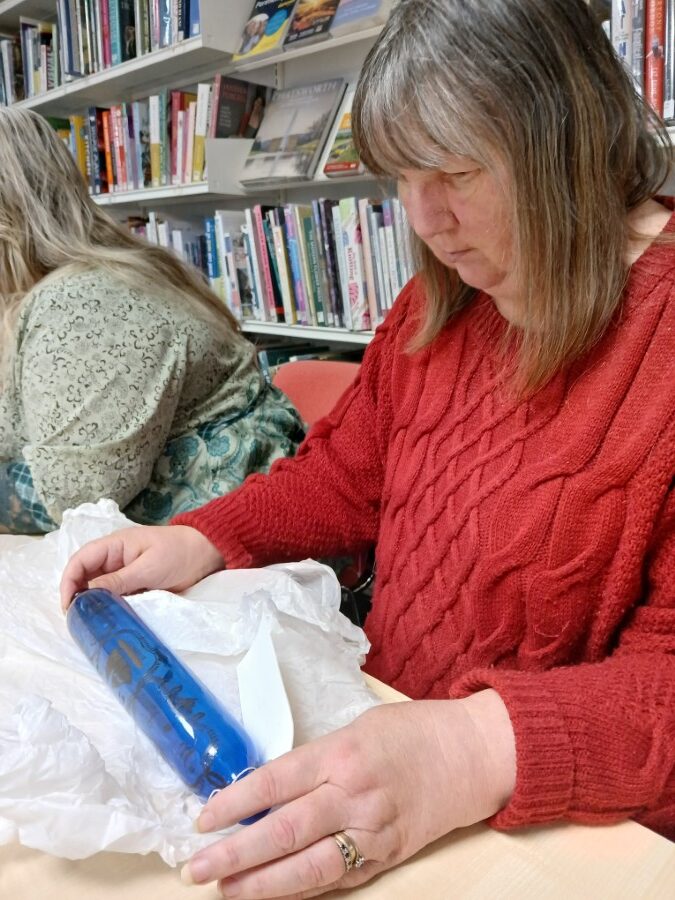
{"x":315,"y":385}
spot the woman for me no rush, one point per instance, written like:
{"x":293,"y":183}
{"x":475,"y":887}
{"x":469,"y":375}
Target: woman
{"x":508,"y":446}
{"x":121,"y":374}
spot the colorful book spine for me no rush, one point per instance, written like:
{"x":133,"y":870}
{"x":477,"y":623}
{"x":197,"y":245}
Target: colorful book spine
{"x":356,"y":289}
{"x":301,"y":302}
{"x":655,"y":35}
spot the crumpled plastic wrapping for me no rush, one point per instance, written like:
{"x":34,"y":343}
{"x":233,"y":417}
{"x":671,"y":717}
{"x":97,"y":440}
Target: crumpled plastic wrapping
{"x":76,"y":774}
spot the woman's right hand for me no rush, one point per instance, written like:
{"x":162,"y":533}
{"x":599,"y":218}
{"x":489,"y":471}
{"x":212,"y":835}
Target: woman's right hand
{"x":135,"y":559}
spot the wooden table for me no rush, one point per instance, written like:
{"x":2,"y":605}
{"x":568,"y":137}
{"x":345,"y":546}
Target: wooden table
{"x":570,"y":862}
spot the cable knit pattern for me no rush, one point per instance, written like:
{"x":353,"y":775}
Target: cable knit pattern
{"x":523,"y":545}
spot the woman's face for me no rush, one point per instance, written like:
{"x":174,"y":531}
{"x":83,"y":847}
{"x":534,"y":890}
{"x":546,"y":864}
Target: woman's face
{"x":461,"y":212}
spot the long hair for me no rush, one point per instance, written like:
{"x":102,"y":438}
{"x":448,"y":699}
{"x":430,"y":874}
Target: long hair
{"x":535,"y":87}
{"x":48,"y":222}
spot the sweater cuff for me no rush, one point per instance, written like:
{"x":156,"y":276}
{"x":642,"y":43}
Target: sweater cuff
{"x":544,"y":756}
{"x":221,"y":528}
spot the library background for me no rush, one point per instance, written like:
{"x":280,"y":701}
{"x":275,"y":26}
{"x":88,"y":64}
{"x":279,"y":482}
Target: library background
{"x":222,"y":130}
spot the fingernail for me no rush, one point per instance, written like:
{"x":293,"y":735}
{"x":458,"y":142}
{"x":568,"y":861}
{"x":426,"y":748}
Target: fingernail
{"x":230,"y":887}
{"x":197,"y":871}
{"x":205,"y":822}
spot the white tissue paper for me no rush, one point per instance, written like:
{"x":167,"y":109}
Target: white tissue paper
{"x":76,"y":774}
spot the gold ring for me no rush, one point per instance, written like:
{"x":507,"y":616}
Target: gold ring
{"x":351,"y":855}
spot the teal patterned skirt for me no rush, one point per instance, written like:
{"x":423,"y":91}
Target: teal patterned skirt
{"x":215,"y":458}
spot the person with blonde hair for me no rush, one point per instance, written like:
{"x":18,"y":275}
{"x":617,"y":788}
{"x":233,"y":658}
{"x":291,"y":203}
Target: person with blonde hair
{"x":509,"y":447}
{"x":121,"y":374}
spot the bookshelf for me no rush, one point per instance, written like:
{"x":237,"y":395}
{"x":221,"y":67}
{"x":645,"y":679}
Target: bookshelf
{"x":197,"y":59}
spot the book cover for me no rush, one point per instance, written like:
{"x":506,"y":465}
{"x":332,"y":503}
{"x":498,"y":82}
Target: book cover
{"x":265,"y":30}
{"x":341,"y":157}
{"x":293,"y":133}
{"x":311,"y":22}
{"x":228,"y":106}
{"x":355,"y":15}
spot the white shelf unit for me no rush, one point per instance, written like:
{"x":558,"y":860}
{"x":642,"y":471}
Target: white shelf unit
{"x":309,"y":333}
{"x":11,"y":10}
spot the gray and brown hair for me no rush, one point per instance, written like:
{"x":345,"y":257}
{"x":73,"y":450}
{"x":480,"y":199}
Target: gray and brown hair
{"x":535,"y":87}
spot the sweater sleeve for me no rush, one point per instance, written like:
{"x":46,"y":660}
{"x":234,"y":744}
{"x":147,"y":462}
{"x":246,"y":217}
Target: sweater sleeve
{"x":326,"y":500}
{"x":595,"y":743}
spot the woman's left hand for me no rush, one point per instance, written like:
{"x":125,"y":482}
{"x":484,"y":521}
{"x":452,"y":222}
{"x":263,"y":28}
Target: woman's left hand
{"x":395,"y":779}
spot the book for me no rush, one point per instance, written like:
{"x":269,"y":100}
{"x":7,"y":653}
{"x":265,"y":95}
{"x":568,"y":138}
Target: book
{"x":228,"y":106}
{"x":340,"y":156}
{"x":265,"y":29}
{"x":655,"y":35}
{"x":311,"y":22}
{"x":622,"y":32}
{"x":355,"y":15}
{"x":293,"y":133}
{"x":669,"y":69}
{"x":638,"y":44}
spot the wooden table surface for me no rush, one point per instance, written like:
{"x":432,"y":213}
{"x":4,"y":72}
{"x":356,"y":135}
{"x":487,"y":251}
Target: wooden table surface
{"x":569,"y":862}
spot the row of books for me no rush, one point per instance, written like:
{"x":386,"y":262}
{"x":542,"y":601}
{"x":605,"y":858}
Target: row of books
{"x":276,"y":25}
{"x":159,"y":140}
{"x":87,"y":37}
{"x":643,"y":35}
{"x":335,"y":263}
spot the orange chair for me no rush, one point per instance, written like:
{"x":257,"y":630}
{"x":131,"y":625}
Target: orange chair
{"x":314,"y":385}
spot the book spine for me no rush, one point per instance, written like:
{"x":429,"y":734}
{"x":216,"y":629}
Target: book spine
{"x":342,"y":266}
{"x":637,"y":10}
{"x":164,"y":148}
{"x":107,"y":150}
{"x":264,"y":263}
{"x":622,"y":32}
{"x":201,"y":124}
{"x":283,"y":268}
{"x":294,"y":260}
{"x":351,"y":231}
{"x":314,"y":267}
{"x":326,"y":217}
{"x":276,"y":278}
{"x":257,"y":308}
{"x":304,"y":266}
{"x":94,"y":161}
{"x":176,"y":98}
{"x":104,"y":15}
{"x":231,"y":275}
{"x":371,"y":291}
{"x":655,"y":33}
{"x":115,"y":37}
{"x":669,"y":68}
{"x":323,"y":266}
{"x":374,"y":227}
{"x":211,"y":253}
{"x":155,"y":151}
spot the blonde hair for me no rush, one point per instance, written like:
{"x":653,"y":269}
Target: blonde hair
{"x":533,"y":86}
{"x":48,"y":221}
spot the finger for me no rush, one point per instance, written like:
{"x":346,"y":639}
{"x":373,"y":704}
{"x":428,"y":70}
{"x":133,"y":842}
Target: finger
{"x":315,"y":869}
{"x":279,"y":781}
{"x":93,"y":558}
{"x":288,"y":830}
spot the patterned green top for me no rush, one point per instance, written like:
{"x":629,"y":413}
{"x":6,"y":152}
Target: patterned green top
{"x":124,"y":393}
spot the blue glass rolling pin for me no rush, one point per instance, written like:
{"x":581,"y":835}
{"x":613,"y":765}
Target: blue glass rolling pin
{"x":194,"y":733}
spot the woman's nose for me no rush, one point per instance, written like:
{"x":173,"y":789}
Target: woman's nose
{"x":427,"y":210}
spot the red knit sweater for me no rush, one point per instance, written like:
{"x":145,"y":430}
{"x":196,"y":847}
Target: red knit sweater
{"x":526,"y":546}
